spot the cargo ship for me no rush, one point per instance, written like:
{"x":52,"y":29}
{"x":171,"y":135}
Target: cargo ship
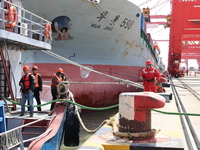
{"x":95,"y":34}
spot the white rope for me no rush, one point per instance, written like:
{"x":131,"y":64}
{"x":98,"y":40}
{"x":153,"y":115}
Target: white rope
{"x":120,"y":80}
{"x":80,"y":119}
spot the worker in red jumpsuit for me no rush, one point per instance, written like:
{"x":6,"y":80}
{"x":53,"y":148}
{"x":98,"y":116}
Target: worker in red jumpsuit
{"x":187,"y":72}
{"x":150,"y":77}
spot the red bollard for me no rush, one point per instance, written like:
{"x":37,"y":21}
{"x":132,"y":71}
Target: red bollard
{"x":195,"y":73}
{"x":135,"y":110}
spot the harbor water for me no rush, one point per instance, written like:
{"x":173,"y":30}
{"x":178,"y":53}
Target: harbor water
{"x":91,"y":120}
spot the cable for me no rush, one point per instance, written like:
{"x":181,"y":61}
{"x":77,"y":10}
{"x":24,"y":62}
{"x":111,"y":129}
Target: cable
{"x":117,"y":73}
{"x":103,"y":108}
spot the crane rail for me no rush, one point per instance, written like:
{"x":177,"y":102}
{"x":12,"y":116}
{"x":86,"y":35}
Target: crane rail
{"x":192,"y":139}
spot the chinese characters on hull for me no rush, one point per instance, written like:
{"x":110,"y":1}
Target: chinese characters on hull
{"x":126,"y":23}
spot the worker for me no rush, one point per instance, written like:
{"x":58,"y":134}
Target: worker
{"x":150,"y":77}
{"x":187,"y":72}
{"x":38,"y":86}
{"x":161,"y":90}
{"x":56,"y":78}
{"x":27,"y":84}
{"x":159,"y":87}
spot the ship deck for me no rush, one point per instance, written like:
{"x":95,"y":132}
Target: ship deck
{"x":37,"y":114}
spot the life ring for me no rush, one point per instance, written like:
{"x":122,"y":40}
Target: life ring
{"x":12,"y":21}
{"x":47,"y":30}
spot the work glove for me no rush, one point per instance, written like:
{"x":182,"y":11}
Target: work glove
{"x":141,"y":78}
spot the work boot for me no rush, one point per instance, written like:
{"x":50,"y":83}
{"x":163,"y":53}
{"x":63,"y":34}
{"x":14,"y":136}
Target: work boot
{"x":31,"y":115}
{"x":22,"y":114}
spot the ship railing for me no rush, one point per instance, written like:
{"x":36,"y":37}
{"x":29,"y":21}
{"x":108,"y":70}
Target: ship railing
{"x":28,"y":24}
{"x":149,"y":45}
{"x":13,"y":138}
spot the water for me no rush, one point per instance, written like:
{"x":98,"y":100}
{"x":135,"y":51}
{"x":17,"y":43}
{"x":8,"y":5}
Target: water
{"x":91,"y":120}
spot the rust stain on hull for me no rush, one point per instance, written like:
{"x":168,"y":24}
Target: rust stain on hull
{"x":131,"y":46}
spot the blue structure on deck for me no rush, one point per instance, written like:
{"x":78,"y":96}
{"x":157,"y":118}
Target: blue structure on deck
{"x":2,"y":118}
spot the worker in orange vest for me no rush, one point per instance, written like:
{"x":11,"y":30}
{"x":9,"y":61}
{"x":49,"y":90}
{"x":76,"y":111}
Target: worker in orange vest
{"x":27,"y":84}
{"x":38,"y":86}
{"x":150,"y":77}
{"x":56,"y":78}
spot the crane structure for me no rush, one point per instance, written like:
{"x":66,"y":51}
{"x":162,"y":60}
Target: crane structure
{"x":184,"y":37}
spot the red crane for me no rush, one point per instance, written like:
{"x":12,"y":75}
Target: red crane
{"x":184,"y":28}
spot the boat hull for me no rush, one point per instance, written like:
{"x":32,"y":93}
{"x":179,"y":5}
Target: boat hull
{"x":52,"y":140}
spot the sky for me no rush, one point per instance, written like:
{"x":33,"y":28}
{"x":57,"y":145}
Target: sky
{"x":160,"y":7}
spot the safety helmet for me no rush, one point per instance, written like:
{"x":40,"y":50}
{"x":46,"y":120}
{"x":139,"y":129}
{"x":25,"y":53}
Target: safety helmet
{"x":148,"y":62}
{"x":25,"y":68}
{"x":35,"y":67}
{"x":60,"y":70}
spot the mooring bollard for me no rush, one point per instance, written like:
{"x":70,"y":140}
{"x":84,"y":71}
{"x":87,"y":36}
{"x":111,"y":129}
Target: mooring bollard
{"x":135,"y":110}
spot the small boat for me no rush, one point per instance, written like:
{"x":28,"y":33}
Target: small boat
{"x":41,"y":132}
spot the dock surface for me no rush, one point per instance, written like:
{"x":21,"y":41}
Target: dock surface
{"x":171,"y":135}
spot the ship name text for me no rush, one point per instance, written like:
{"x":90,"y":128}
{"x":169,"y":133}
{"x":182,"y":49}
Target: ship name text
{"x":126,"y":23}
{"x":108,"y":28}
{"x":95,"y":25}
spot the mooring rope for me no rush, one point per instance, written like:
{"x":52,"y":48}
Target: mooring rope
{"x":136,"y":136}
{"x":120,"y":80}
{"x":81,"y":121}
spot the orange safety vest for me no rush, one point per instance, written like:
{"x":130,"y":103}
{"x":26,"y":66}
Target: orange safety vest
{"x":36,"y":80}
{"x":58,"y":78}
{"x":26,"y":81}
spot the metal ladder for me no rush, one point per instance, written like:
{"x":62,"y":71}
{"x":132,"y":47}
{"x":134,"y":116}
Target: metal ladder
{"x":5,"y":83}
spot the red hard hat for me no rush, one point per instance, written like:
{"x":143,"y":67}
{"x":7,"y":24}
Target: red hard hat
{"x":35,"y":67}
{"x":148,"y":62}
{"x":25,"y":68}
{"x":60,"y":70}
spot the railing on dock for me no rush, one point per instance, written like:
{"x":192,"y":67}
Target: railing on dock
{"x":25,"y":23}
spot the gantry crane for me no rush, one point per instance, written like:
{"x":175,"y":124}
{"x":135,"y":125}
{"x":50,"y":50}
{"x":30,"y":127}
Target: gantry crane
{"x":184,"y":34}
